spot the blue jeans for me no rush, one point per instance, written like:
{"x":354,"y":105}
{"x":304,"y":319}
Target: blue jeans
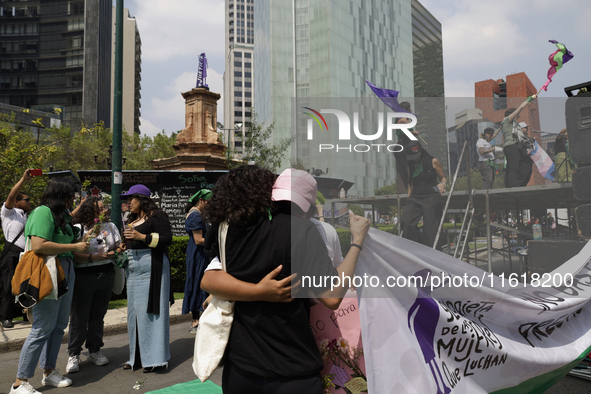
{"x":50,"y":318}
{"x":151,"y":331}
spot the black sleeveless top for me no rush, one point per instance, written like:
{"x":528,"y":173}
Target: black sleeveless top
{"x":426,"y":181}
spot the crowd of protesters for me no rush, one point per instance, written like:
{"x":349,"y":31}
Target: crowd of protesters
{"x":260,"y":209}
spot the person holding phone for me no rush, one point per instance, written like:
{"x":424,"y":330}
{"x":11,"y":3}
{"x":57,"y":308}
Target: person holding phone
{"x":14,"y":216}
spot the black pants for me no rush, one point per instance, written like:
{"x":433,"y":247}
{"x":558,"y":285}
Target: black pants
{"x":430,"y":207}
{"x":519,"y":167}
{"x":8,"y":263}
{"x":401,"y":169}
{"x":235,"y":383}
{"x":92,"y":292}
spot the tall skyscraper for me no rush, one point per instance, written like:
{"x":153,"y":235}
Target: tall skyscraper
{"x":309,"y":49}
{"x":238,"y":76}
{"x":427,"y":51}
{"x":132,"y":68}
{"x":57,"y":53}
{"x":495,"y":97}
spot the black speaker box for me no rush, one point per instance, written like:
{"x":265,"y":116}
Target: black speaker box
{"x":547,"y":255}
{"x":582,"y":183}
{"x":578,"y":124}
{"x":583,"y":218}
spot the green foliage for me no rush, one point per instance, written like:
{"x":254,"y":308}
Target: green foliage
{"x":345,"y":240}
{"x":259,"y":148}
{"x":142,"y":150}
{"x":476,"y":179}
{"x":357,"y":210}
{"x":177,"y":253}
{"x":19,"y":151}
{"x":78,"y":152}
{"x":386,"y":209}
{"x":298,"y":164}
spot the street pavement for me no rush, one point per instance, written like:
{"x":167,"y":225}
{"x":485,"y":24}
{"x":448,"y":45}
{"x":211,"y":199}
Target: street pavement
{"x":112,"y":378}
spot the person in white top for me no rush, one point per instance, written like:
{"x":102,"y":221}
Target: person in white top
{"x":486,"y":157}
{"x":94,"y":281}
{"x":14,"y":217}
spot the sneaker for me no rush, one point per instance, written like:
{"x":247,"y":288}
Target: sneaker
{"x":73,"y":364}
{"x":193,"y":329}
{"x":98,"y":359}
{"x":24,"y":388}
{"x":55,"y":379}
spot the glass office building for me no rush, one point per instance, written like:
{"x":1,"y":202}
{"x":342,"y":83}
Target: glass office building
{"x":306,"y":50}
{"x":429,"y":94}
{"x":57,"y":53}
{"x":316,"y":53}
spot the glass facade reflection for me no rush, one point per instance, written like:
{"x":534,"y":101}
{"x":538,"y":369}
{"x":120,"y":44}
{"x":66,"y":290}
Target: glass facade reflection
{"x":428,"y":81}
{"x":307,"y":49}
{"x":57,"y":53}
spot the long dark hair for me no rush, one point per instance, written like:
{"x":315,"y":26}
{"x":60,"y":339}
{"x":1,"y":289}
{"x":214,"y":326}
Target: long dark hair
{"x":87,"y":212}
{"x":240,"y":195}
{"x":146,"y":204}
{"x":58,"y":197}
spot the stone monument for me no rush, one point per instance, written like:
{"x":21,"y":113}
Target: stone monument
{"x":198,"y":145}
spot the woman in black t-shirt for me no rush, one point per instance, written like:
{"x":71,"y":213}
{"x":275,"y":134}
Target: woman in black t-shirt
{"x":149,"y":294}
{"x":427,"y":183}
{"x":271,"y":348}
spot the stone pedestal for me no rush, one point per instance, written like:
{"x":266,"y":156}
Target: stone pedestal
{"x":198,"y":146}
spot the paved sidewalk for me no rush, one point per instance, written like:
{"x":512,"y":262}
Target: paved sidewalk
{"x":12,"y":339}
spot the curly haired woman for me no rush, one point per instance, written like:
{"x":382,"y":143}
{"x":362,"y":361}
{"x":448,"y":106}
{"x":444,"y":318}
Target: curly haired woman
{"x":271,"y":348}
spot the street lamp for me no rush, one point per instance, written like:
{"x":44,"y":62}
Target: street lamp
{"x":317,"y":171}
{"x":107,"y":160}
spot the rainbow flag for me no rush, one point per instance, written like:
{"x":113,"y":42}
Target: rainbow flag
{"x":557,"y":60}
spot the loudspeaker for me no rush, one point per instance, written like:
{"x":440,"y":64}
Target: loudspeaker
{"x":578,"y":125}
{"x":582,"y":183}
{"x":546,"y":255}
{"x":583,"y":218}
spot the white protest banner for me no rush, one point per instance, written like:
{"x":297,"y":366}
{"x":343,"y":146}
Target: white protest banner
{"x":433,"y":324}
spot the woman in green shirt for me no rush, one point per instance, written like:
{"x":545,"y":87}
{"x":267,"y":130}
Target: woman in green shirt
{"x":49,"y":232}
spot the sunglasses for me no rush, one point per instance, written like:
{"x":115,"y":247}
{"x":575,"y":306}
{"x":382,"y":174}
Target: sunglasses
{"x":25,"y":199}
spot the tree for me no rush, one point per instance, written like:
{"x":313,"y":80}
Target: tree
{"x":386,"y":209}
{"x":19,"y":151}
{"x":258,"y":147}
{"x":298,"y":164}
{"x":56,"y":148}
{"x":142,"y":150}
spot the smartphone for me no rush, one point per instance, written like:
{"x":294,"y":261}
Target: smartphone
{"x":37,"y":172}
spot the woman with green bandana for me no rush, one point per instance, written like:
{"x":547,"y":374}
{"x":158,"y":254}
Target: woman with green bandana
{"x":197,"y":260}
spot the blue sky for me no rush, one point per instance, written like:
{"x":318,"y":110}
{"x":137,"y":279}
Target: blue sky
{"x":482,"y":39}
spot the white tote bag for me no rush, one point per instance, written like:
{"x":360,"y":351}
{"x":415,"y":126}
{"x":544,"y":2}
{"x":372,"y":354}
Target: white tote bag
{"x":214,"y":325}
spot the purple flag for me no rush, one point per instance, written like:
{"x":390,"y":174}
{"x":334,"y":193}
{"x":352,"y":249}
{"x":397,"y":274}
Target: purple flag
{"x":389,"y":97}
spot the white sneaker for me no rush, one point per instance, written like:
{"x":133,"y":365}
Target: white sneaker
{"x":55,"y":379}
{"x":24,"y":388}
{"x":98,"y":359}
{"x":73,"y":364}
